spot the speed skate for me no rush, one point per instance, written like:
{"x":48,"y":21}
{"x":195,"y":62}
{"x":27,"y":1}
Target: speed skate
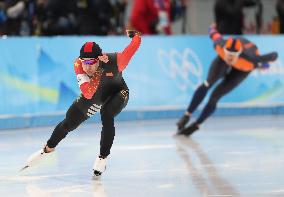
{"x":36,"y":158}
{"x":99,"y":166}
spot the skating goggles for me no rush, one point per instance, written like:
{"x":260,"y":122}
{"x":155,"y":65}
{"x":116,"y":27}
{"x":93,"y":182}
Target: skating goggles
{"x":89,"y":61}
{"x":234,"y":53}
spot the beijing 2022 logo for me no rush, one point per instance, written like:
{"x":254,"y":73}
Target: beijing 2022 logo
{"x":184,"y":67}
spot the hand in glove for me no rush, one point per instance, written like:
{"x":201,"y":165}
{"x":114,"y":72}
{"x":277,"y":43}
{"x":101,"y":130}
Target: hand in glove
{"x":132,"y":33}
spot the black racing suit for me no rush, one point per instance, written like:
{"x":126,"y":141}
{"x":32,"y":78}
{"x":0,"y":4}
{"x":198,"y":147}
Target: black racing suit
{"x":110,"y":98}
{"x":231,"y":76}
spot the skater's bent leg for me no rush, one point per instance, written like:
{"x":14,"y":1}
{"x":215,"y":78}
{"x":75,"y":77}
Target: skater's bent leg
{"x":110,"y":109}
{"x":107,"y":134}
{"x":217,"y":70}
{"x":211,"y":105}
{"x":232,"y":80}
{"x":74,"y":117}
{"x":198,"y":97}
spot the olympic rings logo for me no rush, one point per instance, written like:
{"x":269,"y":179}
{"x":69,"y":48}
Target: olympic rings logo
{"x":185,"y":68}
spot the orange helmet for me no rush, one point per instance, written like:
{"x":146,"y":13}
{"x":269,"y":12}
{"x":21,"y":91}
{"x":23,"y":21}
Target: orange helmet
{"x":233,"y":46}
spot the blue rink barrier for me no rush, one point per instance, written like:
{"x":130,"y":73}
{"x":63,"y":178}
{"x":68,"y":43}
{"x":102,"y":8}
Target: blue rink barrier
{"x":27,"y":121}
{"x":37,"y":79}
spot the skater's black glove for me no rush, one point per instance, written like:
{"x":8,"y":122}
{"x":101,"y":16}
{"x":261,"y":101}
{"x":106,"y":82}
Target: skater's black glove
{"x":273,"y":56}
{"x":132,"y":33}
{"x":269,"y":57}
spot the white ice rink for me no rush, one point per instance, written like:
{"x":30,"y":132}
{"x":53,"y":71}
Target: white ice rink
{"x":234,"y":156}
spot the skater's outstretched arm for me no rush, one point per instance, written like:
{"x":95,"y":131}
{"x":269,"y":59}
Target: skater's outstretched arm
{"x":262,"y":61}
{"x":124,"y":57}
{"x":252,"y":54}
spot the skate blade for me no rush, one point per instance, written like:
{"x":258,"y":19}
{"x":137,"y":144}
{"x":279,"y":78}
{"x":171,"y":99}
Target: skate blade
{"x":96,"y":178}
{"x":22,"y":169}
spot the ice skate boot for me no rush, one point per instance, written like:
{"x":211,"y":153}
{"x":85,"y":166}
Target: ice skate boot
{"x":182,"y":122}
{"x":99,"y":166}
{"x":189,"y":130}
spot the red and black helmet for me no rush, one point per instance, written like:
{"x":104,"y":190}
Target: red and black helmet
{"x":90,"y":50}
